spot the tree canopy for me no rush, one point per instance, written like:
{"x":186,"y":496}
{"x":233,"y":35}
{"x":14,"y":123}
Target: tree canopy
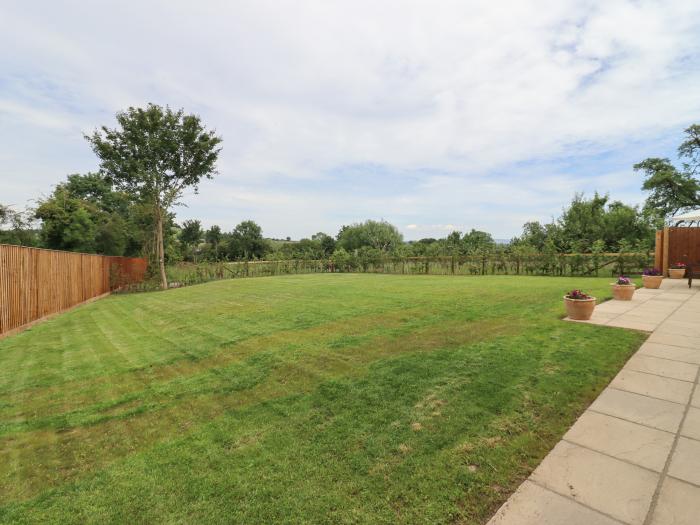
{"x":379,"y":235}
{"x":672,"y":190}
{"x":86,"y":214}
{"x":587,"y":221}
{"x":153,"y":155}
{"x":246,"y":242}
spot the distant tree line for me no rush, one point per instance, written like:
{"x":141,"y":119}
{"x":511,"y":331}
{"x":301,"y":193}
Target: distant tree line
{"x":118,"y":211}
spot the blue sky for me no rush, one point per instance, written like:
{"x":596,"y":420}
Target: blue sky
{"x":432,"y":115}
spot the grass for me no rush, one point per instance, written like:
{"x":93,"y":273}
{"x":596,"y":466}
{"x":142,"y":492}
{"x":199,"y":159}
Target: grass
{"x":335,"y":398}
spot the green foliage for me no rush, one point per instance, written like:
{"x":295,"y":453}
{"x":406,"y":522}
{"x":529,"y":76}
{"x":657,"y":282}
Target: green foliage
{"x":156,"y":152}
{"x":520,"y":260}
{"x":670,"y":190}
{"x":689,"y":150}
{"x":673,"y":190}
{"x":246,"y":242}
{"x":213,"y":237}
{"x":191,"y":234}
{"x":343,"y":261}
{"x":477,"y":242}
{"x":16,"y":227}
{"x":379,"y":235}
{"x":154,"y":155}
{"x":67,"y":223}
{"x":319,"y":246}
{"x":326,"y":243}
{"x":587,"y":221}
{"x":86,"y":214}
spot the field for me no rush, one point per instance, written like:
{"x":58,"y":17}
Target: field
{"x":331,"y":398}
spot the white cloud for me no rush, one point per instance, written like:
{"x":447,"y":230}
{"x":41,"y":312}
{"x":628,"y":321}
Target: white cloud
{"x":464,"y":107}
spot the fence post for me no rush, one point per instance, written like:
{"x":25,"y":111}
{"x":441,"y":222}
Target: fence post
{"x":664,"y":259}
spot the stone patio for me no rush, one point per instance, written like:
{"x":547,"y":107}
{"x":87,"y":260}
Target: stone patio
{"x":634,"y":456}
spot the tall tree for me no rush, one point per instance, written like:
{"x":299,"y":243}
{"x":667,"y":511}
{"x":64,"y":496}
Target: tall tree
{"x":670,"y":190}
{"x":586,"y":222}
{"x":690,"y":149}
{"x":155,"y":154}
{"x":379,"y":235}
{"x":326,"y":241}
{"x":213,"y":237}
{"x":16,"y":227}
{"x":477,"y":241}
{"x":84,"y":213}
{"x":191,"y":235}
{"x":67,"y":223}
{"x":246,"y":242}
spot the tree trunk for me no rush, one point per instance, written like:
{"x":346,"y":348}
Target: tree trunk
{"x":160,"y":249}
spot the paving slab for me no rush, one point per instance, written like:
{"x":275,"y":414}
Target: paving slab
{"x":685,"y":463}
{"x":643,"y":446}
{"x":642,"y":316}
{"x":615,"y":307}
{"x":678,"y":504}
{"x":679,"y":329}
{"x":672,"y":296}
{"x":606,"y":484}
{"x":603,"y":315}
{"x":653,"y":386}
{"x":662,"y":367}
{"x":691,"y":425}
{"x":675,"y":340}
{"x":662,"y":310}
{"x":620,"y":322}
{"x":534,"y":505}
{"x":695,"y":400}
{"x":674,"y":353}
{"x":644,"y":410}
{"x":690,"y":327}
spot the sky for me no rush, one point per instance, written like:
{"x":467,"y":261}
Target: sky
{"x":434,"y":116}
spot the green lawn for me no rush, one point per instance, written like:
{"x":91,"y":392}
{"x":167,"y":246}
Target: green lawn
{"x":341,"y":398}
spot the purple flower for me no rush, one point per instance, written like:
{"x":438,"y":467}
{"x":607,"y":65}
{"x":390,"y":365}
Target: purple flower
{"x":577,"y":294}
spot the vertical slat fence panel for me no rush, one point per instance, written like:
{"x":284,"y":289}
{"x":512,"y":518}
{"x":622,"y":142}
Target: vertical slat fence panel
{"x":35,"y":283}
{"x":680,"y":244}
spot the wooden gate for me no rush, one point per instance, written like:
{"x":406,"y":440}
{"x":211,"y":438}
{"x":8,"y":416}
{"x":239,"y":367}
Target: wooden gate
{"x":677,"y":245}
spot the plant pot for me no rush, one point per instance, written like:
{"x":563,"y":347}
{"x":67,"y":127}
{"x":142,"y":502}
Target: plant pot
{"x":676,"y":273}
{"x":579,"y":309}
{"x":652,"y":281}
{"x":623,"y":292}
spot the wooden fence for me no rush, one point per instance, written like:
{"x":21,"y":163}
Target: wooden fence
{"x":677,"y":244}
{"x":35,"y":283}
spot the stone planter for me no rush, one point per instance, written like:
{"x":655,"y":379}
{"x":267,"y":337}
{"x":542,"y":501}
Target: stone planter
{"x":623,"y":292}
{"x":676,"y":273}
{"x":579,"y":309}
{"x":652,"y":281}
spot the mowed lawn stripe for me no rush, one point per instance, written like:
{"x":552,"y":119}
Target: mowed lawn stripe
{"x":385,"y":398}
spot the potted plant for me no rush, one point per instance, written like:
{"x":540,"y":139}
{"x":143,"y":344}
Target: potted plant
{"x":623,"y":289}
{"x":579,"y":305}
{"x":677,"y":270}
{"x":651,"y":277}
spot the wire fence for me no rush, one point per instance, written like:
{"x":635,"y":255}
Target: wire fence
{"x":580,"y":264}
